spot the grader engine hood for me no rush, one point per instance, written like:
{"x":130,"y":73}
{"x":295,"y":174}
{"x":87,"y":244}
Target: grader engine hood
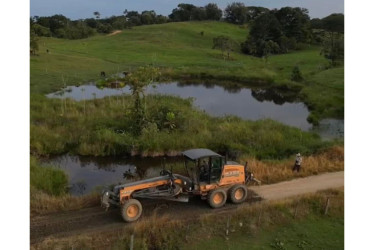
{"x":232,"y":174}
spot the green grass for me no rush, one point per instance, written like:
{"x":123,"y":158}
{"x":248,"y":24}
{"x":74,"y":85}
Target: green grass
{"x":311,"y":233}
{"x":47,"y":179}
{"x":324,"y":93}
{"x":180,"y":50}
{"x":104,"y":127}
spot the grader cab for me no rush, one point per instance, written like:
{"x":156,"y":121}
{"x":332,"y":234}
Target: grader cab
{"x":210,"y":176}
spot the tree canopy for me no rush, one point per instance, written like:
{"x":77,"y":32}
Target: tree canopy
{"x":277,"y":31}
{"x":236,"y":12}
{"x":190,"y":12}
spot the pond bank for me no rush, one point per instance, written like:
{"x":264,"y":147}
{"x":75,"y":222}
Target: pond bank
{"x":231,"y":99}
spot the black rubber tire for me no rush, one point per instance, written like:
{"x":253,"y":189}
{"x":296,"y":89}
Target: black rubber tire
{"x":211,"y":198}
{"x":235,"y":189}
{"x":135,"y":205}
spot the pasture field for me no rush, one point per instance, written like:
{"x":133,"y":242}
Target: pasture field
{"x":183,"y":53}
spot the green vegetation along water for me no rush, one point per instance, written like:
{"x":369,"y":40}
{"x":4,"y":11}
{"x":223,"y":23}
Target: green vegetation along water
{"x":103,"y":127}
{"x":181,"y":52}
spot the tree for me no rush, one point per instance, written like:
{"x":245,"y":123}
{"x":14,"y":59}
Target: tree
{"x":213,"y":12}
{"x":253,"y":12}
{"x":294,"y":23}
{"x":276,"y":31}
{"x":97,"y":14}
{"x":225,"y":44}
{"x":161,"y":19}
{"x":270,"y":47}
{"x":264,"y":34}
{"x":182,"y":13}
{"x":333,"y":48}
{"x":334,"y":23}
{"x":316,"y":23}
{"x":133,"y":18}
{"x":34,"y":46}
{"x":333,"y":44}
{"x":236,"y":13}
{"x":54,"y":22}
{"x":198,"y":14}
{"x":148,"y":17}
{"x":138,"y":82}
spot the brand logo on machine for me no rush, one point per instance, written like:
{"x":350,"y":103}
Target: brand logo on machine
{"x":231,"y":173}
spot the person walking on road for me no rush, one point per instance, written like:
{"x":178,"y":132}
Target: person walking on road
{"x":298,"y":161}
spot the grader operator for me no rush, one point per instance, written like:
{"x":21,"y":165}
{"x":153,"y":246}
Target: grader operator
{"x":210,"y":176}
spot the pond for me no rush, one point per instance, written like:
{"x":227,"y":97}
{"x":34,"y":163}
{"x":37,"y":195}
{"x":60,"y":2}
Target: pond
{"x":89,"y":173}
{"x":252,"y":104}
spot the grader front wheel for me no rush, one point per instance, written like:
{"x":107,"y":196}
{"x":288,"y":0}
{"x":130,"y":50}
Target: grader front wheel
{"x":131,"y":210}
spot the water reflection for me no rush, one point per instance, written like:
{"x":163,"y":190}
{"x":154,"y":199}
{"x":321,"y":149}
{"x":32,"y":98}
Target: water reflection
{"x":276,"y":96}
{"x":231,"y":99}
{"x":88,"y":173}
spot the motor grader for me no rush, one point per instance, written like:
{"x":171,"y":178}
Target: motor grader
{"x":211,"y":177}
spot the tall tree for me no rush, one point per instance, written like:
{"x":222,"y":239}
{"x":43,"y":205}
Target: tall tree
{"x":182,"y":13}
{"x":333,"y":44}
{"x":198,"y":14}
{"x":294,"y":23}
{"x":253,"y":12}
{"x":334,"y":23}
{"x":213,"y":12}
{"x":236,"y":13}
{"x":34,"y":46}
{"x":138,"y":82}
{"x":265,"y":28}
{"x":148,"y":17}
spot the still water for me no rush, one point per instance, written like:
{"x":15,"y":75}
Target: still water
{"x":252,"y":104}
{"x":89,"y":173}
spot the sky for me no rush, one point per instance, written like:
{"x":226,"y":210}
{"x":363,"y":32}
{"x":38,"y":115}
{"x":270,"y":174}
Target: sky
{"x":80,"y":9}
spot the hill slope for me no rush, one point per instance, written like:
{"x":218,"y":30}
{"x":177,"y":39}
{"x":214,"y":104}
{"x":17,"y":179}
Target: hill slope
{"x":181,"y":50}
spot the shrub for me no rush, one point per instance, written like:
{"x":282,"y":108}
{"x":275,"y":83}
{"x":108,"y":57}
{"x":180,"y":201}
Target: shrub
{"x":296,"y":74}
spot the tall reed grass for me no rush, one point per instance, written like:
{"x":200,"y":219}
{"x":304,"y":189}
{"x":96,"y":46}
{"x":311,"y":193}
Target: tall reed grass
{"x":268,"y":172}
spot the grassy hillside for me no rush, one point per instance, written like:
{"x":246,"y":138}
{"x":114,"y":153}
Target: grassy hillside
{"x":181,"y":51}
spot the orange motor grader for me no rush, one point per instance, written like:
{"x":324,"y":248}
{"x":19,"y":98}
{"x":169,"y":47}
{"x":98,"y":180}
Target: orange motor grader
{"x":210,"y":176}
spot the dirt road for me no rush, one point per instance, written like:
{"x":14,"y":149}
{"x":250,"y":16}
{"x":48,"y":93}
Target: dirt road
{"x":300,"y":186}
{"x":95,"y":219}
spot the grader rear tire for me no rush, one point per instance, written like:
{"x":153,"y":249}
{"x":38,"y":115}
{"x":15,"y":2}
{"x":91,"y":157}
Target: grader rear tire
{"x":217,"y":198}
{"x":238,"y":194}
{"x":131,"y":210}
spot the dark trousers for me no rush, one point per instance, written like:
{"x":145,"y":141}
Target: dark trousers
{"x":296,"y":168}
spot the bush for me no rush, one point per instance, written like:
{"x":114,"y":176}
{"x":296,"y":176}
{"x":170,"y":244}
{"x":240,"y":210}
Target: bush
{"x":296,"y":74}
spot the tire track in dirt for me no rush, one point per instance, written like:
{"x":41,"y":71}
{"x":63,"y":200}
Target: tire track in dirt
{"x":96,"y":219}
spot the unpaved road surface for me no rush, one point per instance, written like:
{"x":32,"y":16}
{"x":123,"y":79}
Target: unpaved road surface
{"x":95,"y":219}
{"x":300,"y":186}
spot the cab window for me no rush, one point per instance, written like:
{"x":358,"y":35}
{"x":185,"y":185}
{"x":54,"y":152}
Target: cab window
{"x":216,"y":169}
